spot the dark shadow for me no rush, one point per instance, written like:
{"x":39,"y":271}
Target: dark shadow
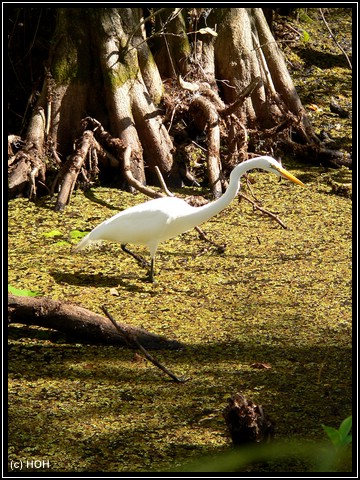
{"x":90,"y":195}
{"x":48,"y":202}
{"x":306,"y":385}
{"x":18,"y":331}
{"x":100,"y":280}
{"x":247,"y":353}
{"x":320,"y":59}
{"x":35,"y":333}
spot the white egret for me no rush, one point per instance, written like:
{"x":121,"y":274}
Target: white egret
{"x":163,"y":218}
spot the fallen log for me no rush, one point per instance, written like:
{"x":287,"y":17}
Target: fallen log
{"x":78,"y":322}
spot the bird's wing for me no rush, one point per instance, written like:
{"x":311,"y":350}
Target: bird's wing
{"x":141,"y":224}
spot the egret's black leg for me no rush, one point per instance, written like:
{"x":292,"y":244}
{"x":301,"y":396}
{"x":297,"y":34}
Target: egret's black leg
{"x":151,"y":273}
{"x":138,"y":258}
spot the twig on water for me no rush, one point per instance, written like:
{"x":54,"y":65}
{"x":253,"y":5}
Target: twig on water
{"x":132,"y":340}
{"x":256,"y":207}
{"x":334,"y":38}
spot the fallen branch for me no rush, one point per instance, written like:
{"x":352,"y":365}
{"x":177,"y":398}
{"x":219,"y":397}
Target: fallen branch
{"x":229,"y":109}
{"x":132,"y":180}
{"x":334,"y":38}
{"x":71,"y":169}
{"x":317,"y":153}
{"x":131,"y":339}
{"x":162,"y":182}
{"x":78,"y":322}
{"x":203,"y":236}
{"x":257,"y":207}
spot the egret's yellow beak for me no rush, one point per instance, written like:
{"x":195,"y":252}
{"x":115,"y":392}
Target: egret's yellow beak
{"x":289,"y":176}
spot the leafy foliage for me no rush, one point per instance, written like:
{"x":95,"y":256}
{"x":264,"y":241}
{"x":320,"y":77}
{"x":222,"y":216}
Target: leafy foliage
{"x":340,"y":437}
{"x":22,"y":292}
{"x":77,"y":234}
{"x":52,"y":234}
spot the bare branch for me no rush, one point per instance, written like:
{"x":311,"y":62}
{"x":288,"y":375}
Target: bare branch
{"x":257,"y":207}
{"x":256,"y":83}
{"x":132,"y":180}
{"x":162,"y":181}
{"x":132,"y":340}
{"x":334,"y":38}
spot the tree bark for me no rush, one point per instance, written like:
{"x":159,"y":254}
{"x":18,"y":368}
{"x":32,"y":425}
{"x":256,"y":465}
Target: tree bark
{"x":72,"y":168}
{"x":78,"y":322}
{"x":203,"y":109}
{"x":29,"y":163}
{"x":124,"y":70}
{"x":172,"y":48}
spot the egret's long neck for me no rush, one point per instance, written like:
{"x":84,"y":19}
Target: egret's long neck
{"x":202,"y":214}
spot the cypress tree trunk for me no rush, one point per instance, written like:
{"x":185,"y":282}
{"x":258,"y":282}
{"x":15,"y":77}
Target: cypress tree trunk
{"x":153,"y":86}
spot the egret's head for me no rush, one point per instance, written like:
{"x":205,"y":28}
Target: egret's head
{"x":273,"y":166}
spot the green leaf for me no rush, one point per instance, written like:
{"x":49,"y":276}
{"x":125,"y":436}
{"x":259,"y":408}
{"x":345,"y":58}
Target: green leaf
{"x":333,"y":434}
{"x":305,"y":36}
{"x":345,"y":427}
{"x":22,"y":293}
{"x":347,"y":440}
{"x":53,"y":233}
{"x":340,"y":437}
{"x":76,"y":234}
